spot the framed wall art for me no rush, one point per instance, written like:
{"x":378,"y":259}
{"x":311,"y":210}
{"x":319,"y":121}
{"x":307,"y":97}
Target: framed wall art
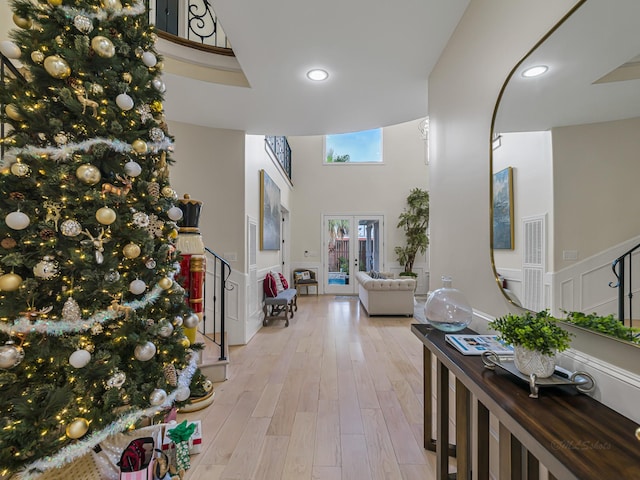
{"x":503,"y":209}
{"x":269,"y":213}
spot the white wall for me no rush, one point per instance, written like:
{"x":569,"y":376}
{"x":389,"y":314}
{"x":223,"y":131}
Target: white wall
{"x":596,"y":172}
{"x":348,"y":188}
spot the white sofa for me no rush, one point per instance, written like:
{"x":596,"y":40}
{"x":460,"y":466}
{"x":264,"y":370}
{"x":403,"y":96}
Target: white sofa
{"x":386,"y":296}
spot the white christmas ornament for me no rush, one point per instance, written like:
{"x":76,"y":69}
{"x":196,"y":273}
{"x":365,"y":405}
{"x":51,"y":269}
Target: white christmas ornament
{"x":124,"y":101}
{"x":158,"y":85}
{"x":166,"y":329}
{"x":149,"y":59}
{"x":79,"y":358}
{"x":133,"y":169}
{"x":182,"y":394}
{"x":145,"y":352}
{"x":174,"y":213}
{"x":17,"y":220}
{"x":137,"y":287}
{"x":10,"y":355}
{"x":9,"y":49}
{"x":71,"y":228}
{"x":191,"y":321}
{"x":157,"y":397}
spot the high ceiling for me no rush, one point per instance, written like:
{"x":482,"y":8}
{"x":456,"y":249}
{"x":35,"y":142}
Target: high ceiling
{"x":378,"y":54}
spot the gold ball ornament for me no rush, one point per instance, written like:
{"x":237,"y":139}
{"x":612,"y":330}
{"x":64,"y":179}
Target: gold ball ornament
{"x":37,"y":56}
{"x":89,"y":174}
{"x":111,"y":5}
{"x":57,"y":67}
{"x":13,"y":113}
{"x":139,"y":146}
{"x":54,"y":3}
{"x":173,"y":234}
{"x":10,"y":282}
{"x":103,"y":46}
{"x":168,"y":192}
{"x":106,"y":216}
{"x":185,"y":342}
{"x":20,"y":169}
{"x":77,"y":428}
{"x":131,"y":250}
{"x":165,"y":283}
{"x":156,"y":106}
{"x":22,"y":22}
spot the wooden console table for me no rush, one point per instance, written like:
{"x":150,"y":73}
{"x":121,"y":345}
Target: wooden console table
{"x":571,"y":434}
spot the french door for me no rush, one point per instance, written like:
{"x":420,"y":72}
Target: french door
{"x":351,"y":243}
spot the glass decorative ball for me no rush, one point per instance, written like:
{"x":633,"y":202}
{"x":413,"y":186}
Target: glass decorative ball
{"x":447,"y":309}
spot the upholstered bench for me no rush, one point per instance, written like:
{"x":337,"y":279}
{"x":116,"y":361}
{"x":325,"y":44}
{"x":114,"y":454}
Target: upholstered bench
{"x":285,"y":302}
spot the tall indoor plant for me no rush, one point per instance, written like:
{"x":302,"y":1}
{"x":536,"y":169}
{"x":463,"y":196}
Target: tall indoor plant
{"x":414,"y":221}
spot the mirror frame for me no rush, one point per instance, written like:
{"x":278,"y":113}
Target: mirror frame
{"x":491,"y":138}
{"x":570,"y":326}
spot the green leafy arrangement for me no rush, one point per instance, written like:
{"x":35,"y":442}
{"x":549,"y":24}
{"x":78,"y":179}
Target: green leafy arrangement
{"x":608,"y":325}
{"x":538,"y":331}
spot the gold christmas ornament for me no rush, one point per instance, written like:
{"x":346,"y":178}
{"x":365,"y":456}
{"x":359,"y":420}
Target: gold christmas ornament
{"x":185,"y":342}
{"x":10,"y":282}
{"x":168,"y":192}
{"x":111,"y":5}
{"x":89,"y":174}
{"x":57,"y":67}
{"x":173,"y":234}
{"x":106,"y":216}
{"x":77,"y":428}
{"x":131,"y":250}
{"x":165,"y":283}
{"x":20,"y":169}
{"x":22,"y":22}
{"x":37,"y":56}
{"x":103,"y":46}
{"x":139,"y":146}
{"x":126,"y":76}
{"x":54,"y":3}
{"x":13,"y":113}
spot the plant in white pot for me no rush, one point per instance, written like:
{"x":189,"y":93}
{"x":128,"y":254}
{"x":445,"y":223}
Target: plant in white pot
{"x":536,"y":338}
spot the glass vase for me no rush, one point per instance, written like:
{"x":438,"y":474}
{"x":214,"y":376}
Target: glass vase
{"x":447,"y":309}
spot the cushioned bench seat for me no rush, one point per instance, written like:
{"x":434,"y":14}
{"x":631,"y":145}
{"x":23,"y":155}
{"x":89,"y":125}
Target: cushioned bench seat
{"x":285,"y":302}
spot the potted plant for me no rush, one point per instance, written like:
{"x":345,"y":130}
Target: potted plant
{"x":536,"y":338}
{"x":414,"y":221}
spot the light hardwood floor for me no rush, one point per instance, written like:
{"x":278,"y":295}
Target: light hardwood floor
{"x":336,"y":395}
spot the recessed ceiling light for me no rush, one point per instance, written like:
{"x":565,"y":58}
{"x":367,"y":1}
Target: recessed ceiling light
{"x":317,"y":75}
{"x":535,"y":71}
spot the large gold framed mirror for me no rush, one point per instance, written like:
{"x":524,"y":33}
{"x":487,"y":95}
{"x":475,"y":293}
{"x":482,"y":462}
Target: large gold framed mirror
{"x":571,"y":139}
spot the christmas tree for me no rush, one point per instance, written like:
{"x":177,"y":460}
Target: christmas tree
{"x":91,"y":319}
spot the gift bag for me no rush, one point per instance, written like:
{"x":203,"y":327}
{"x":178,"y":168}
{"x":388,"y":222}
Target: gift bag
{"x":136,"y":461}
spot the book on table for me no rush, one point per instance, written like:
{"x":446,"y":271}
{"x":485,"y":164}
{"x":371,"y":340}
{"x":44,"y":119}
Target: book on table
{"x":477,"y":344}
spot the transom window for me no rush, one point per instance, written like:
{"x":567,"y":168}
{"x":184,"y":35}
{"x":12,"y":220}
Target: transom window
{"x":357,"y":147}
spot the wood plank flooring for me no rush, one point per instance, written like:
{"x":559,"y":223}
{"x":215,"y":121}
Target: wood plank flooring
{"x":335,"y":396}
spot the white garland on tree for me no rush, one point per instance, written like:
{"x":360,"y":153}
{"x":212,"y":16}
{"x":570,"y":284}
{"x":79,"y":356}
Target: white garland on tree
{"x":66,"y":151}
{"x":137,"y":8}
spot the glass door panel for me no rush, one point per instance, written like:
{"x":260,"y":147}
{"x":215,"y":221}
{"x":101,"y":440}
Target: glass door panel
{"x":352,"y":243}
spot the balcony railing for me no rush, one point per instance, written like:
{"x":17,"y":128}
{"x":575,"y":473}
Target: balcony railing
{"x":280,"y":148}
{"x":192,"y":20}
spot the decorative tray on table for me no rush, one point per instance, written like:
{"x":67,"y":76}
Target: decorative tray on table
{"x":583,"y":382}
